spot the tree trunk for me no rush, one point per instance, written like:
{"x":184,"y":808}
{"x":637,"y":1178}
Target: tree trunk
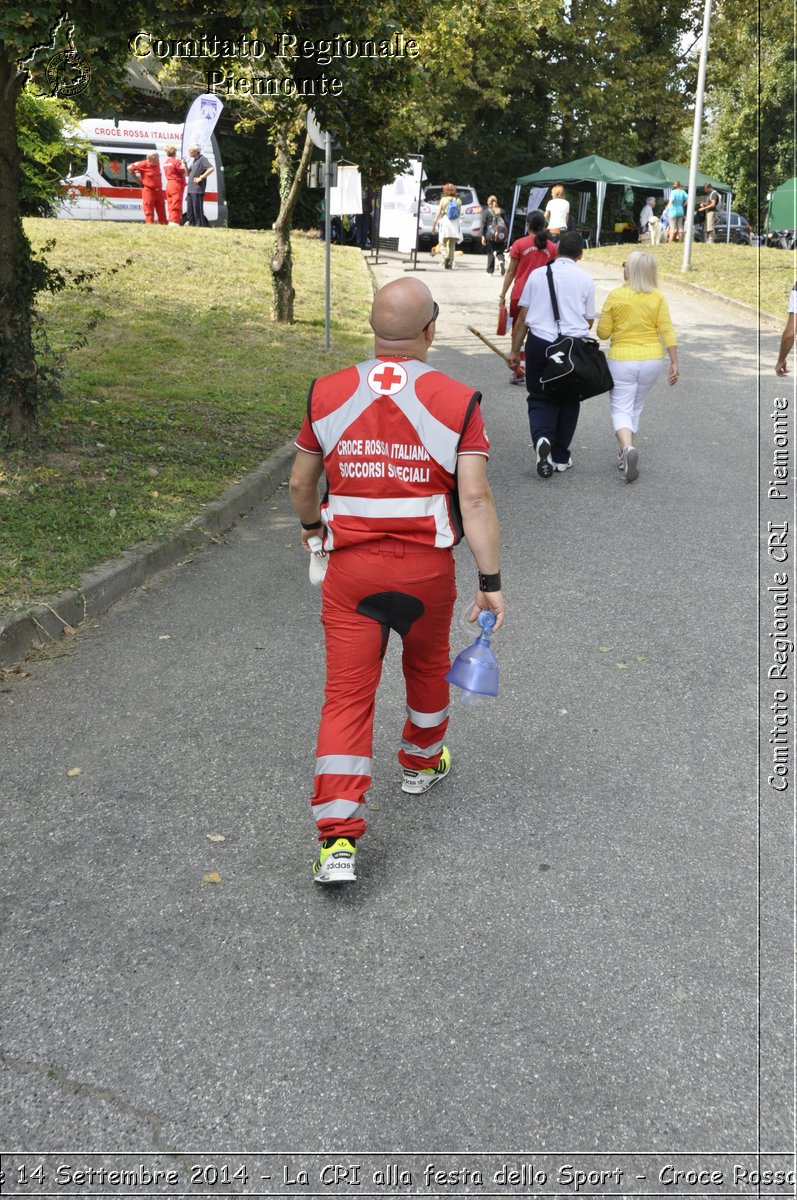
{"x":18,"y":372}
{"x":291,"y":181}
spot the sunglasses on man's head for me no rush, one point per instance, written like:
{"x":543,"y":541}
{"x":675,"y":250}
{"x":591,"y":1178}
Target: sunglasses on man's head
{"x":434,"y":316}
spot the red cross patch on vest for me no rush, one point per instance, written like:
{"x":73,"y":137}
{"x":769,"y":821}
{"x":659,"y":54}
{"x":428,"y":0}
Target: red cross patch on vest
{"x":387,"y":378}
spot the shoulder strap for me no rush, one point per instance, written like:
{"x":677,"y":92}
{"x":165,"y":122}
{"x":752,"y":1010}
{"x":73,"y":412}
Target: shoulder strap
{"x":551,"y":289}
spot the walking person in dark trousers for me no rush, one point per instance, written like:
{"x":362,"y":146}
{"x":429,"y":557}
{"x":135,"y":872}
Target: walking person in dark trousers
{"x":494,"y":234}
{"x":552,"y":422}
{"x":199,"y":169}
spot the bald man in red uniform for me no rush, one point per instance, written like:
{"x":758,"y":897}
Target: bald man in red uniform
{"x":404,"y":451}
{"x":153,"y":200}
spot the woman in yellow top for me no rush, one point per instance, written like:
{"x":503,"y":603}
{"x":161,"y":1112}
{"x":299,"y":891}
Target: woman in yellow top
{"x":637,"y":320}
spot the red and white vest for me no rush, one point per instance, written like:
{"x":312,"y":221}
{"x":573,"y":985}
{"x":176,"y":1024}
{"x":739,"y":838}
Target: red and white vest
{"x":389,"y":430}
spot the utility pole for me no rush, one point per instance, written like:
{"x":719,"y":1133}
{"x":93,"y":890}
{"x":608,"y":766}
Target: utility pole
{"x":696,"y":131}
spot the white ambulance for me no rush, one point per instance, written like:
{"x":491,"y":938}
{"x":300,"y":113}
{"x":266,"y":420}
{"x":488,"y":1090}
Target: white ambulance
{"x":105,"y":190}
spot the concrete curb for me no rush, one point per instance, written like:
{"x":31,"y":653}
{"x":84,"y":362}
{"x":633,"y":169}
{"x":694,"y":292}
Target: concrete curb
{"x":101,"y":587}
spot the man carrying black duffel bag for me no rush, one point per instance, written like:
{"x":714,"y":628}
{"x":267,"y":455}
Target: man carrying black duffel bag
{"x":553,"y":420}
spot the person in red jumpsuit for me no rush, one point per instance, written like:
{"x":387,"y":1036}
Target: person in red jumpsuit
{"x":152,"y":199}
{"x":405,"y":454}
{"x":174,"y":170}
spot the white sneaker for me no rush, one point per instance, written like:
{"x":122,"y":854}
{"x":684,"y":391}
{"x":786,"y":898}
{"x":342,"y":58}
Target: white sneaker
{"x":544,"y":464}
{"x":620,"y":460}
{"x":563,"y":466}
{"x":631,"y":464}
{"x":335,"y":862}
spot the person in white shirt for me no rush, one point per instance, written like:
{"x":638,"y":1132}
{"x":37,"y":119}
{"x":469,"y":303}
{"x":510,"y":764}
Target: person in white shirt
{"x":552,"y":422}
{"x":789,"y":334}
{"x":648,"y":221}
{"x":557,"y":212}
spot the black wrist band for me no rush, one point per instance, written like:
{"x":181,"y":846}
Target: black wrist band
{"x":312,"y":525}
{"x":490,"y":583}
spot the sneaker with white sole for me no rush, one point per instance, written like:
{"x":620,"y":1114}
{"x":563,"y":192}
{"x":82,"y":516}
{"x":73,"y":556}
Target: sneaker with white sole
{"x":335,"y":862}
{"x":563,"y":466}
{"x":631,"y":464}
{"x":417,"y":782}
{"x":544,"y":464}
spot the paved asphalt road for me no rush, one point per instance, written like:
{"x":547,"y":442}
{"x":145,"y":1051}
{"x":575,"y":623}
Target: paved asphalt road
{"x":557,"y":949}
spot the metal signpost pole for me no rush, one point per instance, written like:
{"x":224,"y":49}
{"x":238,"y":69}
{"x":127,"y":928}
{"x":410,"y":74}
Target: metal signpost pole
{"x":414,"y":260}
{"x":324,"y":142}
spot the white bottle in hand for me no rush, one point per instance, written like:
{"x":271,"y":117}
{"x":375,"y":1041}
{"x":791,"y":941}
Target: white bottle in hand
{"x":318,"y":561}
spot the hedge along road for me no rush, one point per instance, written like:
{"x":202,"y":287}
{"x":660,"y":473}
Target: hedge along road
{"x":556,"y":948}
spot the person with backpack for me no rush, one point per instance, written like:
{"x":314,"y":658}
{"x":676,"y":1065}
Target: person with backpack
{"x":447,"y":217}
{"x":494,"y":235}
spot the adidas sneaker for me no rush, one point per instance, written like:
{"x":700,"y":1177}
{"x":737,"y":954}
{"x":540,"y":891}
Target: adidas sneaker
{"x":335,"y":862}
{"x":417,"y":782}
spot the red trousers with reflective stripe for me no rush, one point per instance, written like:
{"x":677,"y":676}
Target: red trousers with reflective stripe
{"x":153,"y":201}
{"x":355,"y":646}
{"x":174,"y":201}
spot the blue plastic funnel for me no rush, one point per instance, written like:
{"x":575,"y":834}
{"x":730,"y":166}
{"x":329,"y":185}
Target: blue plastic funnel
{"x":476,"y":669}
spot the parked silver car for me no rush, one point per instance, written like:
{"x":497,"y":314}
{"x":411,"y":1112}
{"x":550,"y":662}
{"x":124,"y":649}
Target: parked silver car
{"x":470,"y":216}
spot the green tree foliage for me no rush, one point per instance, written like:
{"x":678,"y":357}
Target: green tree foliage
{"x":30,"y":37}
{"x":580,"y":77}
{"x":46,"y":152}
{"x":499,"y":87}
{"x":749,"y":139}
{"x":386,"y":105}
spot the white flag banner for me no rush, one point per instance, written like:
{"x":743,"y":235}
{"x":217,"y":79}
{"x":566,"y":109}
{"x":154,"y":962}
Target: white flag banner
{"x":346,"y":198}
{"x":536,"y":197}
{"x":399,"y":207}
{"x":200,"y":121}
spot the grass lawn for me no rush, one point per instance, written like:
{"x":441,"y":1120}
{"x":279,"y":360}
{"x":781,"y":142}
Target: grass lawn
{"x":184,"y":384}
{"x":756,"y":275}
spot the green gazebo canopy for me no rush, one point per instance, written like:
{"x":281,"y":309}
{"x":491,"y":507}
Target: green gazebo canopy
{"x":592,"y":169}
{"x":665,"y":174}
{"x":592,"y":173}
{"x":782,"y":211}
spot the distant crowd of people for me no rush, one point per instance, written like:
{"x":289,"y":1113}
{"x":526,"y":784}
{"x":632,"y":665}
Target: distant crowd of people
{"x":183,"y":177}
{"x":635,"y":320}
{"x":349,"y":229}
{"x":495,"y":225}
{"x":669,"y":224}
